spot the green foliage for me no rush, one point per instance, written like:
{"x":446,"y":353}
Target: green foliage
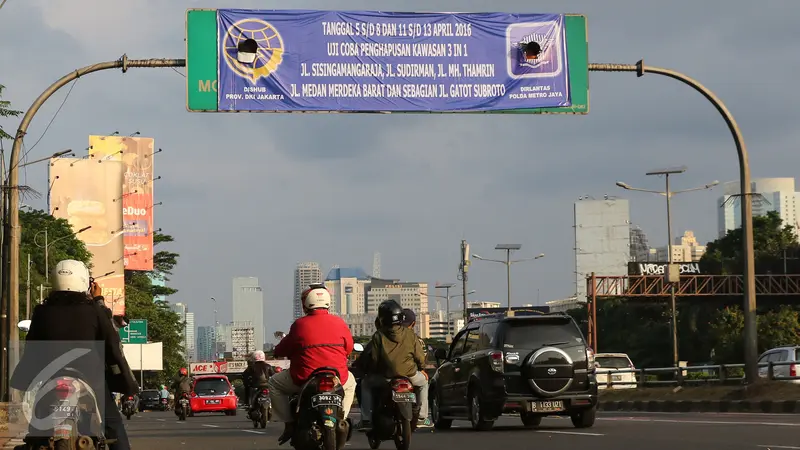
{"x":163,"y":325}
{"x":62,"y":244}
{"x":771,"y":238}
{"x":776,"y":328}
{"x":6,"y":111}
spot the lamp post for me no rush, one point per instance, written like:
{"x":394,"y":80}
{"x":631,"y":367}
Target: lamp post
{"x":447,"y":298}
{"x":508,"y":262}
{"x":47,"y":244}
{"x":671,"y":277}
{"x":216,"y":353}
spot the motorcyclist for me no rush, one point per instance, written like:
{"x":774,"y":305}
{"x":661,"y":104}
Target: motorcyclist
{"x":410,"y":321}
{"x":318,"y":339}
{"x":394,"y":351}
{"x":247,"y":377}
{"x":72,"y":313}
{"x":163,"y":394}
{"x":260,"y":373}
{"x":181,"y":385}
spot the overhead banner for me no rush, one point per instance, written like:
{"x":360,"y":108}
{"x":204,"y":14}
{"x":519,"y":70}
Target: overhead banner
{"x":88,"y":193}
{"x":136,"y":154}
{"x":367,"y":61}
{"x":474,"y":313}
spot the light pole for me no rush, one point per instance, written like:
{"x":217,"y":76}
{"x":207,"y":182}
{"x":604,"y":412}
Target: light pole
{"x":508,"y":262}
{"x":216,"y":326}
{"x":447,"y":298}
{"x":672,"y":277}
{"x":47,"y":244}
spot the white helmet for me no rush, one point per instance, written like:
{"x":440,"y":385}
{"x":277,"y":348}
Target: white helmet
{"x":71,"y":276}
{"x":316,"y":297}
{"x":258,"y":355}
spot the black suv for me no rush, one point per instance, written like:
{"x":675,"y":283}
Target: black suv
{"x":535,"y":365}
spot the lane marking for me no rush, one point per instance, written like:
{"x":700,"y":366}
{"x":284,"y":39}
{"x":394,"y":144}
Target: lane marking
{"x":210,"y":426}
{"x":253,"y":431}
{"x":576,"y":433}
{"x":161,"y":420}
{"x":708,"y":413}
{"x":702,"y":422}
{"x":778,"y":446}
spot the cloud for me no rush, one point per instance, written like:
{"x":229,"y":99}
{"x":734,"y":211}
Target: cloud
{"x":254,"y":194}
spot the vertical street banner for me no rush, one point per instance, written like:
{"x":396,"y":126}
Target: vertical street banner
{"x":377,"y":61}
{"x":136,"y":154}
{"x":88,"y":193}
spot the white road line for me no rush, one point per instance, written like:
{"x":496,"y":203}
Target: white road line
{"x":161,"y":420}
{"x":253,"y":431}
{"x":210,"y":426}
{"x":577,"y":433}
{"x":701,"y":422}
{"x":778,"y":446}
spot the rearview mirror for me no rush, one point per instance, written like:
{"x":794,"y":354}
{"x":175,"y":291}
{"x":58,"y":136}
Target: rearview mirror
{"x":25,"y":325}
{"x":440,"y":354}
{"x":358,"y":347}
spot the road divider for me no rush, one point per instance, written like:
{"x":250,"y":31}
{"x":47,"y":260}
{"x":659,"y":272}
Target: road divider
{"x":694,"y":406}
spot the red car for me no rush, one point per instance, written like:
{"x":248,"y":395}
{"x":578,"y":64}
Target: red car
{"x":213,"y":393}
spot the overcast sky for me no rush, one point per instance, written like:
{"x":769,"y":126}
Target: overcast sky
{"x":252,"y":195}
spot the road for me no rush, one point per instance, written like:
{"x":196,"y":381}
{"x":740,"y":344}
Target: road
{"x":654,"y":431}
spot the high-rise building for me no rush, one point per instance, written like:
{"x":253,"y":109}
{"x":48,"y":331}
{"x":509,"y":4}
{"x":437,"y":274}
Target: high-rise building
{"x":640,"y":247}
{"x":157,"y":279}
{"x":243,"y":339}
{"x":304,"y":274}
{"x":348,"y":290}
{"x":205,"y":343}
{"x":187,"y":318}
{"x":684,"y":249}
{"x":602,"y":240}
{"x":248,"y":306}
{"x":775,"y":194}
{"x":410,"y":295}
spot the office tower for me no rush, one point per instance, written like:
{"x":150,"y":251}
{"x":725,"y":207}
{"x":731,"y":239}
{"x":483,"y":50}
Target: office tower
{"x":304,"y":274}
{"x":248,"y":306}
{"x":348,"y":290}
{"x":187,"y":318}
{"x":205,"y":343}
{"x":602,"y":240}
{"x":775,"y":194}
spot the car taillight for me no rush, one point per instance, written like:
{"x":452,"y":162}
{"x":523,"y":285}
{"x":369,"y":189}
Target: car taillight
{"x":265,"y":391}
{"x":63,"y":389}
{"x":325,"y":384}
{"x":590,"y":359}
{"x":793,"y":370}
{"x":497,"y":360}
{"x":402,"y":386}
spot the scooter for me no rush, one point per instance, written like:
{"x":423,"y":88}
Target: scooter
{"x":262,"y":413}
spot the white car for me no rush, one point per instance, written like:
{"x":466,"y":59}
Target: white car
{"x":614,"y":365}
{"x":781,"y":355}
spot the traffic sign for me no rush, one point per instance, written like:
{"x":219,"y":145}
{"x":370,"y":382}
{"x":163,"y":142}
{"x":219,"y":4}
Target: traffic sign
{"x":202,"y":61}
{"x":134,"y":333}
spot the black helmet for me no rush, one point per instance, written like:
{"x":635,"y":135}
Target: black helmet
{"x":390,"y":313}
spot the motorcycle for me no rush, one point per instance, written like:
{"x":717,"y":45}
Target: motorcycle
{"x":319,"y":416}
{"x":68,"y":416}
{"x":129,"y":407}
{"x":262,"y":413}
{"x":164,"y":404}
{"x":183,"y":406}
{"x":395,"y":414}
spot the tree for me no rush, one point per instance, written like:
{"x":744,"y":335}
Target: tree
{"x":62,"y":243}
{"x":776,"y":328}
{"x":6,"y":111}
{"x":772,"y":240}
{"x":163,"y":325}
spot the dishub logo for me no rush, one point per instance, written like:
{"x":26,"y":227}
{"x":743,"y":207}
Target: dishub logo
{"x":270,"y":48}
{"x":546,"y":61}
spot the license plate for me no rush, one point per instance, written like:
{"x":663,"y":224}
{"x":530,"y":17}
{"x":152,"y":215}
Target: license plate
{"x":550,"y":406}
{"x":616,"y":377}
{"x":326,"y":400}
{"x":263,"y":400}
{"x":404,"y":397}
{"x":62,"y":432}
{"x":212,"y":402}
{"x":184,"y":402}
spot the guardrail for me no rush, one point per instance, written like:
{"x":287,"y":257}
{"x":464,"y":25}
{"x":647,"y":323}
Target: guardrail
{"x":695,"y":375}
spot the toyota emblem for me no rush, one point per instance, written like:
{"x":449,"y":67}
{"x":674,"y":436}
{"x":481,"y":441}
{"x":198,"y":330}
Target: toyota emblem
{"x":551,"y":371}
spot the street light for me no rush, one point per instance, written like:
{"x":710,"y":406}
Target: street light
{"x":247,"y":51}
{"x":508,"y":262}
{"x":447,"y":298}
{"x":672,"y":277}
{"x":216,"y":351}
{"x":54,"y":155}
{"x":47,"y":245}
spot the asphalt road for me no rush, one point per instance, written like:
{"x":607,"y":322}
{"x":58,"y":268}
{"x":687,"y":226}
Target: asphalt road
{"x":654,"y":431}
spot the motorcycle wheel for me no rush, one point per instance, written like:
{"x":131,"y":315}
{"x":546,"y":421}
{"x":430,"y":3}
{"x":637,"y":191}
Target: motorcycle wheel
{"x":63,"y":444}
{"x":328,"y":439}
{"x":402,"y":438}
{"x":263,"y":418}
{"x":374,"y":442}
{"x":183,"y":414}
{"x":128,"y":416}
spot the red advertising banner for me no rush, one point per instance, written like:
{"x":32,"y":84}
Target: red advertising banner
{"x":136,"y":154}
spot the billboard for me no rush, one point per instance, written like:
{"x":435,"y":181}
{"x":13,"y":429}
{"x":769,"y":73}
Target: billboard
{"x":473,"y":313}
{"x":136,"y":154}
{"x":660,"y":268}
{"x":88,"y":193}
{"x":367,"y":61}
{"x":144,"y":356}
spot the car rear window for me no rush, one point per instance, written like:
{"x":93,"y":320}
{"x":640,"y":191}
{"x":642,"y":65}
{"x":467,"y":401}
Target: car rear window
{"x":211,"y":386}
{"x":797,"y":355}
{"x":612,"y":362}
{"x":541,"y":333}
{"x":150,"y":394}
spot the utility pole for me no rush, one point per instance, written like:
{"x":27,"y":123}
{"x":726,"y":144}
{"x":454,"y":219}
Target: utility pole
{"x":463,"y":269}
{"x":28,"y":291}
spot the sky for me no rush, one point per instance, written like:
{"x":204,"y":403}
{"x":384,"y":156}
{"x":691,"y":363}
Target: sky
{"x":254,"y":194}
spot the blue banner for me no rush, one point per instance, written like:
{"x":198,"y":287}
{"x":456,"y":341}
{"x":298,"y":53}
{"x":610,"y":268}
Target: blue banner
{"x":362,"y":61}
